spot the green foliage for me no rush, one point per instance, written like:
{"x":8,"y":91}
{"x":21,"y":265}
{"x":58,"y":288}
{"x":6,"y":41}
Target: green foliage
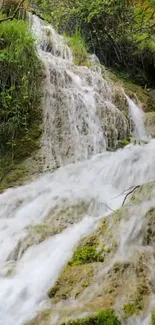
{"x":20,"y":78}
{"x":79,"y":48}
{"x":120,"y":32}
{"x":129,"y":309}
{"x":105,"y":317}
{"x":84,"y":255}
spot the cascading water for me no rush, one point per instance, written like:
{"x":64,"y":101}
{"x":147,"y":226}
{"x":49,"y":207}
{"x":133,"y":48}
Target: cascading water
{"x":137,"y":116}
{"x":80,"y":116}
{"x":98,"y":181}
{"x":27,"y":272}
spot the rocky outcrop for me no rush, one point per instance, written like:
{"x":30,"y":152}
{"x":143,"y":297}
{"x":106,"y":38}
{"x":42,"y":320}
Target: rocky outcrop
{"x":150,"y":123}
{"x":107,"y":269}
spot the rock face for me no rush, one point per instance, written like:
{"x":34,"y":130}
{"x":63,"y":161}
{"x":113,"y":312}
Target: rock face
{"x":151,"y":101}
{"x":150,"y":123}
{"x":108,"y":270}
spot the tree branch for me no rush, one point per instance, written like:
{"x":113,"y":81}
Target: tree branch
{"x":130,"y":193}
{"x":14,"y":14}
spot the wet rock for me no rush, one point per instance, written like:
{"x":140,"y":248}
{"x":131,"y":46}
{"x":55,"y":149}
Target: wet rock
{"x":150,"y":123}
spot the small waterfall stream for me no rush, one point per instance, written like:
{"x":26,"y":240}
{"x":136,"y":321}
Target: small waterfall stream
{"x":137,"y":116}
{"x":74,"y":97}
{"x":81,"y":118}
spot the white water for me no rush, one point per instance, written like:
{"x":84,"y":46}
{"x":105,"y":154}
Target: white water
{"x":98,"y":181}
{"x":137,"y":116}
{"x":81,"y":118}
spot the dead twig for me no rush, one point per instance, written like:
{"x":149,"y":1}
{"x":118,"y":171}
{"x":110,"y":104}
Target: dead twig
{"x":14,"y":14}
{"x":130,"y":193}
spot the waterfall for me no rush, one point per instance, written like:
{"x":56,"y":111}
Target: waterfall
{"x":98,"y":182}
{"x":80,"y":119}
{"x":137,"y":116}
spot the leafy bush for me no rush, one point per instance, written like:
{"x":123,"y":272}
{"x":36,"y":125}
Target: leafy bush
{"x":120,"y":32}
{"x":20,"y":78}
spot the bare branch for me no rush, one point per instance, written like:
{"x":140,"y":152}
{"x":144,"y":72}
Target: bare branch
{"x":130,"y":193}
{"x":14,"y":14}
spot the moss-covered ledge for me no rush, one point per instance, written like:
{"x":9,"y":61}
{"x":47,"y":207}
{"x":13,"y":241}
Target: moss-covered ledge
{"x":105,"y":317}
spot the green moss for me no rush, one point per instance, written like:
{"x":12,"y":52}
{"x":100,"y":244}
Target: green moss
{"x":71,"y":282}
{"x":105,"y":317}
{"x":149,"y":236}
{"x":151,"y":101}
{"x":14,"y":177}
{"x":85,"y":255}
{"x":12,"y":171}
{"x":41,"y":231}
{"x":122,"y":143}
{"x":103,"y":226}
{"x":153,"y":317}
{"x":138,"y":299}
{"x":129,"y":309}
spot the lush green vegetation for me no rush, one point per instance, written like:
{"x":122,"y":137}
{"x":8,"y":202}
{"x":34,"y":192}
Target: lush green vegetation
{"x":20,"y":73}
{"x":120,"y":32}
{"x":84,"y":255}
{"x":20,"y":94}
{"x":105,"y":317}
{"x":79,"y":48}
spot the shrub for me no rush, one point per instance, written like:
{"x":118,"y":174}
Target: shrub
{"x":79,"y":48}
{"x":20,"y":77}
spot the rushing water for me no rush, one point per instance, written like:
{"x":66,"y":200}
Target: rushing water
{"x":81,"y":118}
{"x":98,"y":182}
{"x":137,"y":116}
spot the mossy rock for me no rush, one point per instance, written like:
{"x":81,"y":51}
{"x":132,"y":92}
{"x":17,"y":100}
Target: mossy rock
{"x":105,"y":317}
{"x":150,"y":123}
{"x":151,"y":101}
{"x":85,"y":255}
{"x":71,"y":282}
{"x":149,"y":231}
{"x":129,"y":309}
{"x":29,"y":143}
{"x":142,"y":192}
{"x":43,"y":318}
{"x":153,"y":317}
{"x":122,"y":143}
{"x":15,"y":177}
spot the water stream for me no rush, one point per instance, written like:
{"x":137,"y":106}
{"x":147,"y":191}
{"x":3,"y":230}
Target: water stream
{"x":97,"y":181}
